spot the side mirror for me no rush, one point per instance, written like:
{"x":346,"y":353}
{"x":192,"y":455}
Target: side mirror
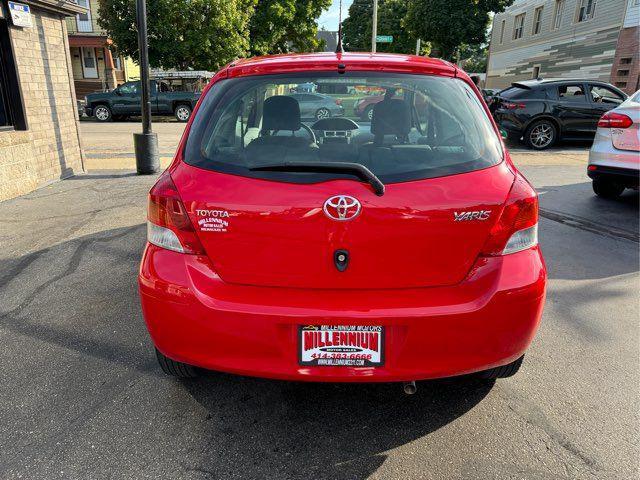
{"x":504,"y":134}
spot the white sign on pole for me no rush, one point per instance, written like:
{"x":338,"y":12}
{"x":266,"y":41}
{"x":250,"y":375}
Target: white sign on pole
{"x":20,"y":14}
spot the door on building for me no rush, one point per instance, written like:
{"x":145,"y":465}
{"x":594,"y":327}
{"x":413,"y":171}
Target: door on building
{"x":89,"y":64}
{"x":83,"y":20}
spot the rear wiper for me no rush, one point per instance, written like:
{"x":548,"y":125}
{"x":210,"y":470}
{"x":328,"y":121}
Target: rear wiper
{"x":331,"y":167}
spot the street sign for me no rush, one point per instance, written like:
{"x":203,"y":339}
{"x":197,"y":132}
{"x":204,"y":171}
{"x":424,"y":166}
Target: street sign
{"x":20,"y":14}
{"x":384,"y":38}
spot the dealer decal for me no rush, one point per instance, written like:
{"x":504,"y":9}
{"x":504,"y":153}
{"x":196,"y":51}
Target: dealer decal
{"x":212,"y":220}
{"x":341,"y":345}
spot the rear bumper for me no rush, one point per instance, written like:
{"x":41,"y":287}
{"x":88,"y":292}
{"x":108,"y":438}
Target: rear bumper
{"x":486,"y":321}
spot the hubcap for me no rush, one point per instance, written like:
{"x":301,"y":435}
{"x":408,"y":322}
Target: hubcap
{"x":370,"y":114}
{"x":183,"y":113}
{"x":322,"y":113}
{"x":102,"y":113}
{"x":541,"y":135}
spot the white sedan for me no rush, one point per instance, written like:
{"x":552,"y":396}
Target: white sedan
{"x":614,"y":159}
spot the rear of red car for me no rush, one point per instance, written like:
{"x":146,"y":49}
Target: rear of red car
{"x":398,"y":250}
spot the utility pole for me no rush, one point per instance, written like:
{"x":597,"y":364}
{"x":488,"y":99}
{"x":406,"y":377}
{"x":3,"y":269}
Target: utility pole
{"x":418,"y":47}
{"x":374,"y":29}
{"x":145,"y":143}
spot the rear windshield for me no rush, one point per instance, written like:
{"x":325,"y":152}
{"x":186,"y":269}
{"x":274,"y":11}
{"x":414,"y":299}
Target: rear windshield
{"x":401,"y":127}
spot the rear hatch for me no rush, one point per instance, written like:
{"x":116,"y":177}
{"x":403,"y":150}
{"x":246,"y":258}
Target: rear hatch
{"x":418,"y":234}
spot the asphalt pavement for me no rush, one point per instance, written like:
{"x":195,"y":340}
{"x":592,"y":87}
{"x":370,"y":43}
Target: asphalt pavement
{"x":82,"y":397}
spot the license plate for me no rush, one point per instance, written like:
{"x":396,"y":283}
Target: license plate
{"x":341,"y":345}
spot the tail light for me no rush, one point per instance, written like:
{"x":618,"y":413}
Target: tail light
{"x":614,"y":120}
{"x":513,"y":106}
{"x":517,"y":227}
{"x":338,"y":101}
{"x":168,"y":225}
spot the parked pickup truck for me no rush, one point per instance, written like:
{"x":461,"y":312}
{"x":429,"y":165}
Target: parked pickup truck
{"x":124,"y":101}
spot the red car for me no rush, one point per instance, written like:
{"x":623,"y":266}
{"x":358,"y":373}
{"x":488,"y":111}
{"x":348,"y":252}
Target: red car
{"x":402,"y":250}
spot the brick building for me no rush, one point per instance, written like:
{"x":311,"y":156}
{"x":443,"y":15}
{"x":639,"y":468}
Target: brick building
{"x":625,"y":72}
{"x":39,"y":135}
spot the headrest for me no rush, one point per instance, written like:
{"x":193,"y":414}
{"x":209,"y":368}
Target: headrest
{"x":281,"y":112}
{"x":391,"y":117}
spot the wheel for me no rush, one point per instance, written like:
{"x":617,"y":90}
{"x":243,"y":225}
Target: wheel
{"x":322,"y":113}
{"x":607,"y":188}
{"x":540,"y":135}
{"x":183,"y":112}
{"x":102,"y":113}
{"x":368,"y":113}
{"x":176,"y":369}
{"x":504,"y":371}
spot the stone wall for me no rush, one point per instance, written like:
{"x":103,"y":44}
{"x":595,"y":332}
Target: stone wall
{"x":50,"y":147}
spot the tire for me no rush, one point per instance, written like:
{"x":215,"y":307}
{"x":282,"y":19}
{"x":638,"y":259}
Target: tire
{"x":541,"y":135}
{"x":182,"y":112}
{"x":322,"y":113}
{"x":504,"y":371}
{"x":175,"y":369}
{"x":607,"y":188}
{"x":102,"y":113}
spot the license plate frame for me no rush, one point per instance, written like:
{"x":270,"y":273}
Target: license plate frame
{"x":341,"y":345}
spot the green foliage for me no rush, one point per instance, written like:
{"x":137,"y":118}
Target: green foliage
{"x":473,"y":58}
{"x":207,"y":34}
{"x":356,"y":28}
{"x":280,"y":26}
{"x":448,"y":24}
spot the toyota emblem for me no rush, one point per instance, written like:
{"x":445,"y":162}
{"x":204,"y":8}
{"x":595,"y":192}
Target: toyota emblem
{"x":342,"y":207}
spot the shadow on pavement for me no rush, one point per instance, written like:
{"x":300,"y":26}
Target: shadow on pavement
{"x":315,"y":430}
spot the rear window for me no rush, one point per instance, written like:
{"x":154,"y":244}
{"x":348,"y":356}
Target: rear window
{"x":421,"y":126}
{"x":523,"y":93}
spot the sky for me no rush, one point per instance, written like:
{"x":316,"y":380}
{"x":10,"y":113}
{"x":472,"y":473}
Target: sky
{"x":329,"y":18}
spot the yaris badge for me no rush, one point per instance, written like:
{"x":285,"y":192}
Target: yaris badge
{"x":342,"y":207}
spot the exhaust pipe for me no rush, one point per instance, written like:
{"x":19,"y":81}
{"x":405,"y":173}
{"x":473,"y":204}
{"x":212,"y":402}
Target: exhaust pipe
{"x":409,"y":387}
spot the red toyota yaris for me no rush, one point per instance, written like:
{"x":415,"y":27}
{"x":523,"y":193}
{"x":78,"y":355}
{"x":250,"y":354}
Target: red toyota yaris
{"x":396,"y":249}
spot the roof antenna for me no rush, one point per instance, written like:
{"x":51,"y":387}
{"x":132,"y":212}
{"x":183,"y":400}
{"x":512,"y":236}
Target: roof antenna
{"x":339,"y":48}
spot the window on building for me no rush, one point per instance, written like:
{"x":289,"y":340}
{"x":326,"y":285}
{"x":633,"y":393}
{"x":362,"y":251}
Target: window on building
{"x":586,"y":10}
{"x":5,"y":114}
{"x":621,"y":84}
{"x":11,"y":111}
{"x":502,"y":27}
{"x":557,"y":14}
{"x":536,"y":71}
{"x":623,"y":73}
{"x":625,"y":61}
{"x":518,"y":26}
{"x":537,"y":20}
{"x":572,"y":93}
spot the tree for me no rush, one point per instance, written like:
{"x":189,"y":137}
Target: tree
{"x":198,"y":34}
{"x":473,"y":58}
{"x":356,"y":28}
{"x":448,"y":24}
{"x":207,"y":34}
